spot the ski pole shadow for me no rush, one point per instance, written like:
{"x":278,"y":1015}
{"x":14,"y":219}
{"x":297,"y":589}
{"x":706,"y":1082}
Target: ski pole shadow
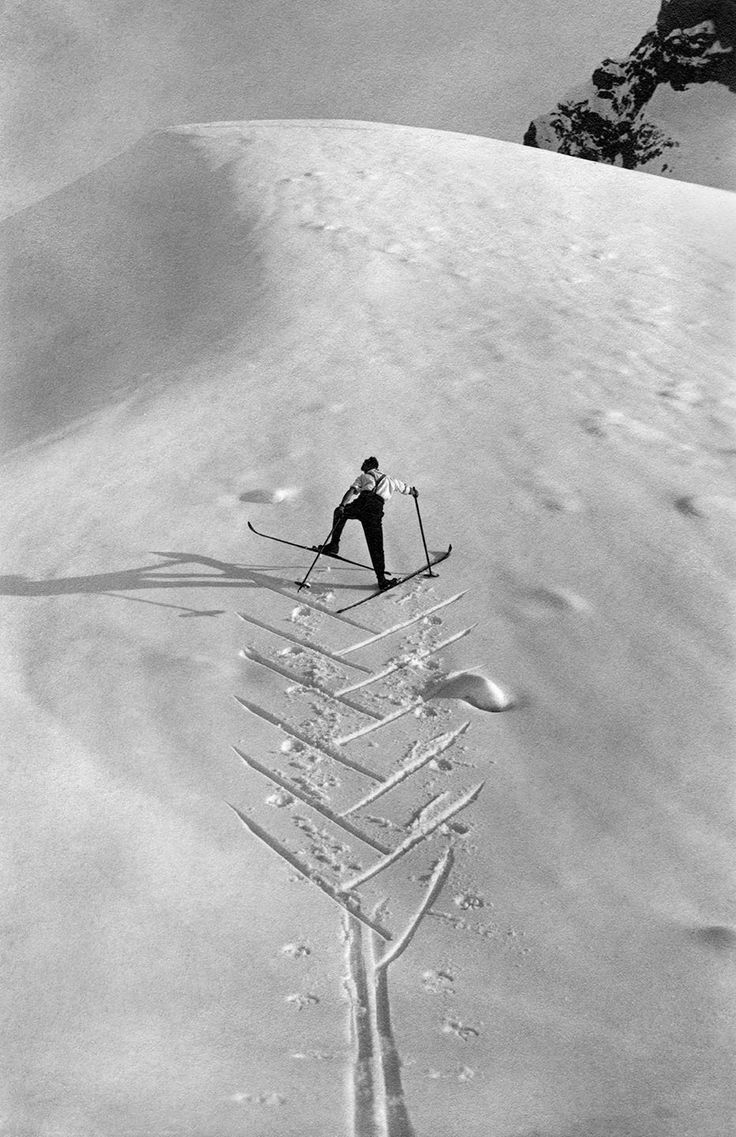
{"x":150,"y":576}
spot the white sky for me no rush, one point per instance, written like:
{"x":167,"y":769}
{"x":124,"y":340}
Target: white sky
{"x":83,"y":80}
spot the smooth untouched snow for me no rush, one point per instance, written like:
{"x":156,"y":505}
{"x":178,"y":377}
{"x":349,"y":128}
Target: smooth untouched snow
{"x":219,"y":325}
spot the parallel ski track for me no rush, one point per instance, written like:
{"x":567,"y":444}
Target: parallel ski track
{"x":318,"y":806}
{"x":307,"y":684}
{"x":327,"y":751}
{"x":415,"y":838}
{"x":348,"y":904}
{"x":302,"y":643}
{"x":298,"y":598}
{"x":402,"y":664}
{"x":406,"y":709}
{"x":400,"y":626}
{"x":425,"y":754}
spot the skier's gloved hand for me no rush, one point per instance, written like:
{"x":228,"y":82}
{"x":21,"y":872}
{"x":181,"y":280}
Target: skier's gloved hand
{"x":414,"y":491}
{"x":340,"y":510}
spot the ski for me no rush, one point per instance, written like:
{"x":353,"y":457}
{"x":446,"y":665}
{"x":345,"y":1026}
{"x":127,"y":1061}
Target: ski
{"x":400,"y":580}
{"x":308,"y":548}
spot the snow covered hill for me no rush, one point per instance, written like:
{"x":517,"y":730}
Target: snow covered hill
{"x":669,"y":108}
{"x":219,"y":325}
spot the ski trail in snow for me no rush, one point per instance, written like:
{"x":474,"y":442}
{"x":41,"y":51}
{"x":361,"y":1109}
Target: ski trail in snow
{"x":363,"y":1081}
{"x":407,"y":661}
{"x":309,"y":685}
{"x":264,"y":582}
{"x":348,"y":905}
{"x":439,"y":876}
{"x":363,"y":730}
{"x":398,"y":627}
{"x":416,"y":838}
{"x":420,"y":815}
{"x":398,"y":1121}
{"x":295,"y":640}
{"x":396,"y":1112}
{"x":432,"y":750}
{"x":319,"y":807}
{"x":328,"y":751}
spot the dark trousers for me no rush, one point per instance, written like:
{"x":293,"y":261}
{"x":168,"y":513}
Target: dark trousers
{"x":368,"y":510}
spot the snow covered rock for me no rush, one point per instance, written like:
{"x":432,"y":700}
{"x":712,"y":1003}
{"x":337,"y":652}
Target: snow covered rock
{"x":668,"y":108}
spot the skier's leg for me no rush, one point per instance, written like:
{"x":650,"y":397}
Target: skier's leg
{"x":339,"y":517}
{"x":372,"y":521}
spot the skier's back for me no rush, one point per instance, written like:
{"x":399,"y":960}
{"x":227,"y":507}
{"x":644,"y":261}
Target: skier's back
{"x":364,"y":501}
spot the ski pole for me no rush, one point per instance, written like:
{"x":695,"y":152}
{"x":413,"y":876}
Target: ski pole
{"x":424,"y":541}
{"x":308,"y":573}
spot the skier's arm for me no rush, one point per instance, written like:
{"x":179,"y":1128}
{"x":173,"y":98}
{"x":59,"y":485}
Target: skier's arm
{"x":402,"y":487}
{"x":353,"y":490}
{"x":349,"y":495}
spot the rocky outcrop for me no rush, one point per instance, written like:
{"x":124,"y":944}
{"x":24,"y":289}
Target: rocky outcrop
{"x":613,"y":120}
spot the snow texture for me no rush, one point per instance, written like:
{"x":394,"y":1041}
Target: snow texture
{"x":525,"y":920}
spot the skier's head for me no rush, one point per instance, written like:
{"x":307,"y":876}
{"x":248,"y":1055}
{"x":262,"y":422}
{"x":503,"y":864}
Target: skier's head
{"x":369,"y":464}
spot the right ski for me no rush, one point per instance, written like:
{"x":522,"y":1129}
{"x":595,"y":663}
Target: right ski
{"x":400,"y":580}
{"x":308,"y":548}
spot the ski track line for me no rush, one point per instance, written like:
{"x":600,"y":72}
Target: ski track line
{"x":309,"y":873}
{"x":325,"y":811}
{"x":422,"y":653}
{"x":302,"y":643}
{"x":415,"y":838}
{"x":420,"y":815}
{"x":436,"y":746}
{"x":328,"y":752}
{"x":307,"y":684}
{"x":437,"y":882}
{"x":364,"y":1082}
{"x":403,"y":624}
{"x":297,"y":598}
{"x":405,"y":710}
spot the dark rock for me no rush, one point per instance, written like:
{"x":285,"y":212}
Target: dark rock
{"x":693,"y":42}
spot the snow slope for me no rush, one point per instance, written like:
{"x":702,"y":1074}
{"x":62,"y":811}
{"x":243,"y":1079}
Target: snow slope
{"x":219,"y":325}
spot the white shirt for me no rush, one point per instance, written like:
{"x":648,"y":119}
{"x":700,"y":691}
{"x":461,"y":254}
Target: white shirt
{"x":382,"y":484}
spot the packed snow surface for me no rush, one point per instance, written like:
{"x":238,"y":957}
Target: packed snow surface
{"x":216,"y":327}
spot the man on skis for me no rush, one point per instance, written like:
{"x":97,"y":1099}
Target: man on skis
{"x":364,"y":500}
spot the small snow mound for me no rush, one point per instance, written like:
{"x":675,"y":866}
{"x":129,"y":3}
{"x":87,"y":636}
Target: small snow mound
{"x":473,"y":688}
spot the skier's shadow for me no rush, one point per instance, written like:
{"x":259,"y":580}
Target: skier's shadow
{"x":145,"y":577}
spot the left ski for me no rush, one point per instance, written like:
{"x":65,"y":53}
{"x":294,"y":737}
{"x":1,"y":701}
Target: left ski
{"x":401,"y":580}
{"x":308,"y":548}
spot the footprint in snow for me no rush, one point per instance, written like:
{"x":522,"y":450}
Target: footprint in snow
{"x":705,"y":505}
{"x":718,"y":937}
{"x":474,"y":688}
{"x":548,"y":602}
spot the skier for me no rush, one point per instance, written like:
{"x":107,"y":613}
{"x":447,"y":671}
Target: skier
{"x":364,"y":500}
